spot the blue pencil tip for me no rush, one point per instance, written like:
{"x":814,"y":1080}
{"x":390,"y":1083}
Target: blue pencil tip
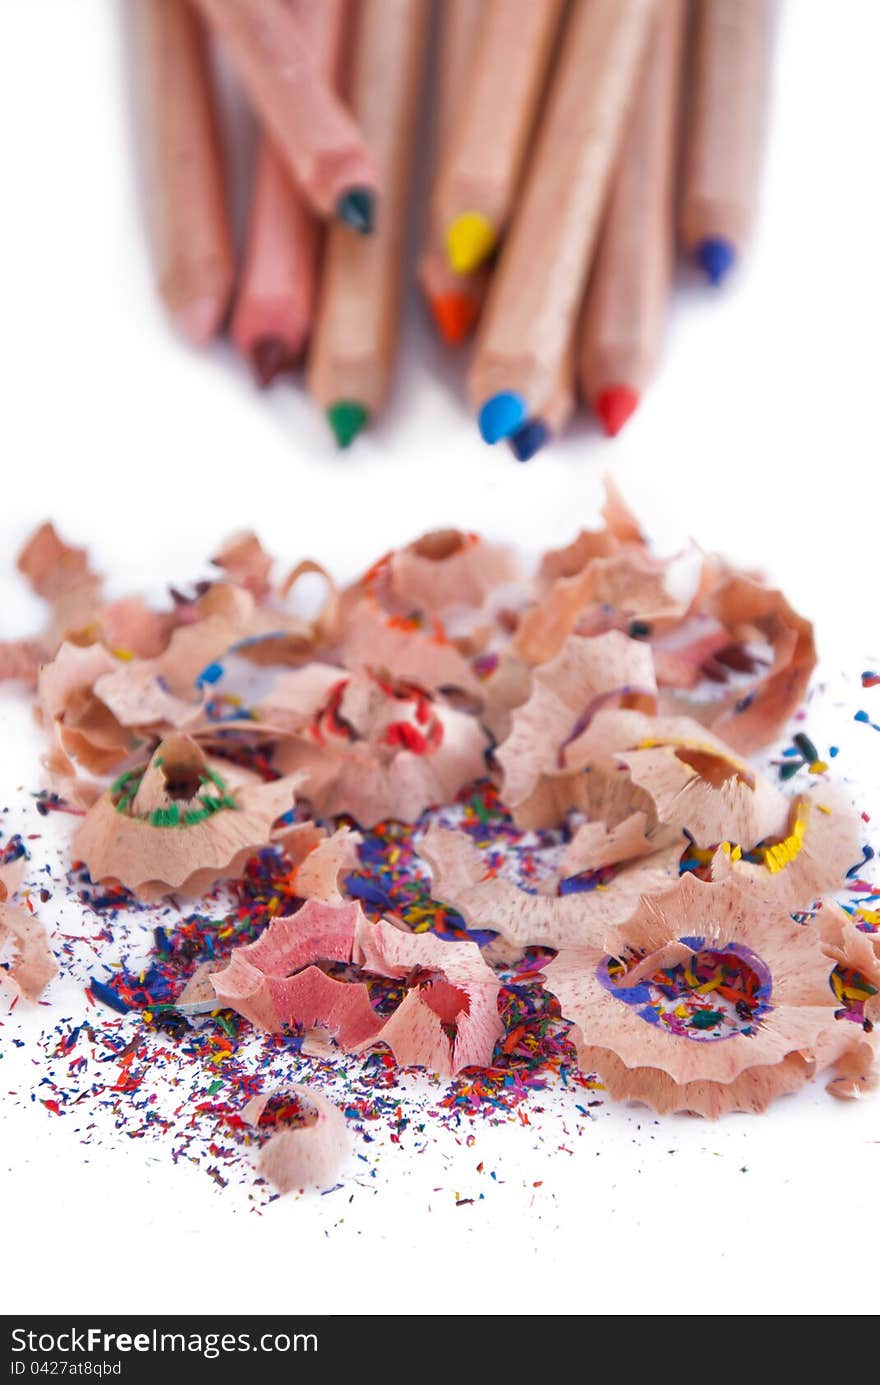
{"x":716,"y":257}
{"x":501,"y":415}
{"x":529,"y":439}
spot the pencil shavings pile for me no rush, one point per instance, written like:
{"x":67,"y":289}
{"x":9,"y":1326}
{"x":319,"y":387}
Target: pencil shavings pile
{"x":567,"y":752}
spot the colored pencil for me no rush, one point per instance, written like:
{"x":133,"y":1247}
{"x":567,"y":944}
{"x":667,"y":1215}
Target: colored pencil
{"x":537,"y":289}
{"x":556,"y":410}
{"x":726,"y":120}
{"x":186,"y":198}
{"x":484,"y":154}
{"x":276,"y":296}
{"x":351,"y":360}
{"x":629,"y":289}
{"x":315,"y":135}
{"x":453,"y":299}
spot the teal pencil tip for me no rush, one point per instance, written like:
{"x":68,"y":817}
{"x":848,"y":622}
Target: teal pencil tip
{"x":357,"y":208}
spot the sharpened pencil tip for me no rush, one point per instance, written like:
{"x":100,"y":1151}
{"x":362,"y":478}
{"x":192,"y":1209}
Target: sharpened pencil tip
{"x":614,"y":406}
{"x":716,"y":256}
{"x":470,"y":239}
{"x":455,"y":315}
{"x":501,"y":415}
{"x":528,"y":440}
{"x":269,"y":357}
{"x":347,"y":417}
{"x":200,"y":320}
{"x":357,"y":208}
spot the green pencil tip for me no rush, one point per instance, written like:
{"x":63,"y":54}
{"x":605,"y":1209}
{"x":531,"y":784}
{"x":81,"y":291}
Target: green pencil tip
{"x":347,"y":417}
{"x":357,"y":209}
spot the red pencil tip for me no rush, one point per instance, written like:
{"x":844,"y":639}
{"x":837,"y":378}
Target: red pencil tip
{"x":269,"y":357}
{"x":615,"y":406}
{"x":455,"y":315}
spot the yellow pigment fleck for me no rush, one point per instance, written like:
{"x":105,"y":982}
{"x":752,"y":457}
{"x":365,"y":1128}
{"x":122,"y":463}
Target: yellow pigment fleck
{"x":777,"y":857}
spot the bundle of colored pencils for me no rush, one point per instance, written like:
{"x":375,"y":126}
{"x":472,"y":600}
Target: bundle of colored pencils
{"x":570,"y":136}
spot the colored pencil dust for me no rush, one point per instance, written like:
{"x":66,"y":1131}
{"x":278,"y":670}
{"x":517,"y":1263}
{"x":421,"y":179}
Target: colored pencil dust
{"x":315,"y":135}
{"x":275,"y":301}
{"x":186,"y":197}
{"x":484,"y":154}
{"x":726,"y":117}
{"x":453,"y":299}
{"x":537,"y":288}
{"x":629,"y":289}
{"x":352,"y":355}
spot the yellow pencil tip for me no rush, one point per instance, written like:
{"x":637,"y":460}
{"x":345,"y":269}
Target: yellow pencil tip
{"x":470,"y":240}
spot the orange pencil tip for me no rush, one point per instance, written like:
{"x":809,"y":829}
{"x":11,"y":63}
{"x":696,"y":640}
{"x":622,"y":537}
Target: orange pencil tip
{"x":455,"y":315}
{"x":615,"y":406}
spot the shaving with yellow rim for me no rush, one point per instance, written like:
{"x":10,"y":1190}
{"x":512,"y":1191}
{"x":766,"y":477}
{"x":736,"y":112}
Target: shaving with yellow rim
{"x":777,"y":857}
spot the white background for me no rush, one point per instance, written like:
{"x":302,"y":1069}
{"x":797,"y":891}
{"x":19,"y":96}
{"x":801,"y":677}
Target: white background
{"x":760,"y":438}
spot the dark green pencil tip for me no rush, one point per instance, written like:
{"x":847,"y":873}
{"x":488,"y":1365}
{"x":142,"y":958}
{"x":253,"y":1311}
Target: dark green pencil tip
{"x":347,"y":417}
{"x":356,"y":208}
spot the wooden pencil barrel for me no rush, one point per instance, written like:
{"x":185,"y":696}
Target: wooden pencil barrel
{"x":185,"y":186}
{"x":313,"y":132}
{"x":538,"y":286}
{"x":439,"y":281}
{"x":629,"y":290}
{"x":276,"y":297}
{"x":355,"y":338}
{"x":726,"y":119}
{"x":460,"y":23}
{"x":487,"y":142}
